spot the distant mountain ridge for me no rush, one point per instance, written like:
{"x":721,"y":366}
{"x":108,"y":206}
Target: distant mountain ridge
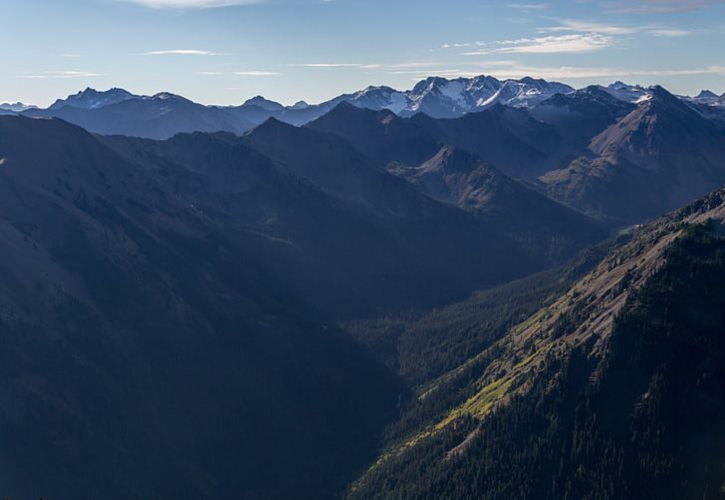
{"x":160,"y":116}
{"x":16,"y":107}
{"x":93,"y":99}
{"x":623,"y":152}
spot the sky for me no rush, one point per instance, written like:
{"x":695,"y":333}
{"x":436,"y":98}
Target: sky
{"x":226,"y":51}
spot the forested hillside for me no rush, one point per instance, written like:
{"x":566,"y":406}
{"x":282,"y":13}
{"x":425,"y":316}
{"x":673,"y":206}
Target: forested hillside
{"x":615,"y":390}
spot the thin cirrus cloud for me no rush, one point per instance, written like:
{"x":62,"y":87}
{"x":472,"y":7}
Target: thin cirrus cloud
{"x":555,"y":44}
{"x":528,"y":6}
{"x":570,"y":72}
{"x":60,"y":75}
{"x":575,"y":26}
{"x":239,"y":73}
{"x":661,"y":6}
{"x":182,"y":52}
{"x":192,"y":4}
{"x":569,"y":36}
{"x":669,"y":32}
{"x":337,"y":65}
{"x":256,"y":73}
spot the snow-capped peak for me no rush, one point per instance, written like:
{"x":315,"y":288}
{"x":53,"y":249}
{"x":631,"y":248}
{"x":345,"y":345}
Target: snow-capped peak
{"x":379,"y":98}
{"x":625,"y":92}
{"x":93,"y":99}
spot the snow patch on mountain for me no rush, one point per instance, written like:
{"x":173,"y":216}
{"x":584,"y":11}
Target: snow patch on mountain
{"x":94,"y":99}
{"x":628,"y":93}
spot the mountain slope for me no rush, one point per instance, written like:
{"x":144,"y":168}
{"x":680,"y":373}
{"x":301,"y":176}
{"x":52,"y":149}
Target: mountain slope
{"x":507,"y":212}
{"x":423,"y":346}
{"x":147,"y":354}
{"x":614,"y":390}
{"x":364,"y":267}
{"x":508,"y":138}
{"x":381,"y":135}
{"x":581,"y":115}
{"x":351,"y":238}
{"x":539,"y":223}
{"x":658,"y":157}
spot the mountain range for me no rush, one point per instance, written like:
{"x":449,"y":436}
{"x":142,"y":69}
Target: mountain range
{"x":155,"y":287}
{"x":473,"y":289}
{"x":117,"y":111}
{"x":615,"y":160}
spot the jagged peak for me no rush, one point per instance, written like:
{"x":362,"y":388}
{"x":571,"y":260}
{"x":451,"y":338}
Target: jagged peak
{"x":620,"y":85}
{"x":271,"y":125}
{"x":706,"y":94}
{"x":659,"y":97}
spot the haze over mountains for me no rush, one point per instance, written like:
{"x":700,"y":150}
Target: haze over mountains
{"x":465,"y":290}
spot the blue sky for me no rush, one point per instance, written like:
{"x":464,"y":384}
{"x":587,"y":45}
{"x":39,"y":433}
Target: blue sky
{"x":225,"y":51}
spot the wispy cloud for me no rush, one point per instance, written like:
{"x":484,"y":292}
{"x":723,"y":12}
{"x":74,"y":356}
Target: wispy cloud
{"x":413,"y":64}
{"x":528,"y":6}
{"x":256,"y":73}
{"x":555,"y":44}
{"x":669,"y":32}
{"x":573,"y":72}
{"x":661,"y":6}
{"x":192,"y":4}
{"x":576,"y":26}
{"x":392,"y":68}
{"x":336,"y":65}
{"x":464,"y":44}
{"x":59,"y":74}
{"x":182,"y":52}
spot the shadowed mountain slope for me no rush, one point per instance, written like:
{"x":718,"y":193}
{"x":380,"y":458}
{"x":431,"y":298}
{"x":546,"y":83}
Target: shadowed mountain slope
{"x":347,"y":235}
{"x":508,"y":138}
{"x":147,"y":354}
